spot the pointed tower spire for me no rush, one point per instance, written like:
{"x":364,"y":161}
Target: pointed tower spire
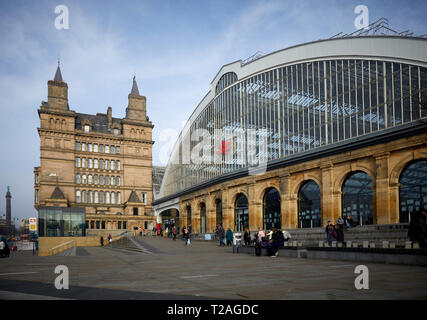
{"x":58,"y":75}
{"x":134,"y":87}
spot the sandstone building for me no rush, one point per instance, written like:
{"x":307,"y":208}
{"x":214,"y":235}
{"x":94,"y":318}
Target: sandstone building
{"x":96,"y":162}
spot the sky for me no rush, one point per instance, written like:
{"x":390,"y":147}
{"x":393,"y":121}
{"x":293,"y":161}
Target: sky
{"x":175,"y":48}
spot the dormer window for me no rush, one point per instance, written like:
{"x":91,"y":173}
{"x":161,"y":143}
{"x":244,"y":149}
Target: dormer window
{"x":87,"y":128}
{"x":116,"y":132}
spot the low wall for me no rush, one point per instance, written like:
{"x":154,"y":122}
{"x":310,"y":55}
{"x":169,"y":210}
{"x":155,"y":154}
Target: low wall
{"x":48,"y":243}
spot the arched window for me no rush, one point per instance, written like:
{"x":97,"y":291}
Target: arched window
{"x":241,"y":213}
{"x":113,"y":198}
{"x":84,"y":196}
{"x":226,"y":80}
{"x":309,"y":207}
{"x":101,"y":196}
{"x":95,"y":197}
{"x":84,"y":179}
{"x":78,"y":199}
{"x":218,"y":212}
{"x":78,"y":178}
{"x":357,"y":198}
{"x":95,"y":179}
{"x":119,"y":200}
{"x":413,"y":190}
{"x":202,"y":218}
{"x":107,"y":197}
{"x":271,"y":204}
{"x":89,"y":197}
{"x":89,"y":179}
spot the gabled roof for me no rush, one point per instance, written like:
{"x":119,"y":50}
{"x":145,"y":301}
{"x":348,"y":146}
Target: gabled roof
{"x":57,"y":194}
{"x":133,"y":197}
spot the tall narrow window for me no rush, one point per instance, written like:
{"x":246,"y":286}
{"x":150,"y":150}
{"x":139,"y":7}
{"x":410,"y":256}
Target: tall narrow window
{"x":84,"y":179}
{"x":90,"y":163}
{"x":83,"y":162}
{"x":78,"y":163}
{"x":101,"y":164}
{"x":101,"y":196}
{"x":101,"y":180}
{"x":78,"y":178}
{"x":118,"y":165}
{"x":107,"y":149}
{"x":95,"y":163}
{"x":89,"y":147}
{"x":113,"y":150}
{"x":95,"y":179}
{"x":112,"y":165}
{"x":116,"y":132}
{"x":95,"y":148}
{"x":144,"y":197}
{"x":118,"y":149}
{"x":37,"y":196}
{"x":78,"y":199}
{"x":113,"y":180}
{"x":107,"y":164}
{"x":95,"y":197}
{"x":107,"y":180}
{"x":101,"y":148}
{"x":84,"y":196}
{"x":77,"y":146}
{"x":89,"y":179}
{"x":89,"y":197}
{"x":118,"y":181}
{"x":119,"y":200}
{"x":107,"y":197}
{"x":87,"y":128}
{"x":113,"y":198}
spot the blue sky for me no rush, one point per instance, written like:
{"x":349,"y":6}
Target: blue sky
{"x":174,"y":47}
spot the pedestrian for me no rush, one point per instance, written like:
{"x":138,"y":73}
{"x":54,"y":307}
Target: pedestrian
{"x":277,"y":240}
{"x":183,"y":231}
{"x":1,"y":248}
{"x":286,"y":235}
{"x":221,"y":235}
{"x":247,"y":237}
{"x":417,"y":227}
{"x":340,"y":230}
{"x":174,"y":233}
{"x":350,"y":222}
{"x":102,"y":241}
{"x":187,"y":237}
{"x":331,"y":235}
{"x":229,"y":237}
{"x":110,"y":240}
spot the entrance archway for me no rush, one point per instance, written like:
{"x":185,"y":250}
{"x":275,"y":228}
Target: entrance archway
{"x":271,"y":209}
{"x":357,"y":198}
{"x":241,"y":213}
{"x":412,"y":190}
{"x":309,"y":207}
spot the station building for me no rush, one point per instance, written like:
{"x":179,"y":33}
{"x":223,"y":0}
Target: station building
{"x":337,"y":126}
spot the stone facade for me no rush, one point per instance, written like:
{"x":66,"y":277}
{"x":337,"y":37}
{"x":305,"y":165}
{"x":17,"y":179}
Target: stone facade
{"x":383,"y":162}
{"x":72,"y":148}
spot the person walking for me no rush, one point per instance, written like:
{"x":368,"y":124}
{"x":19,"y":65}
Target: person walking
{"x":340,"y":230}
{"x":1,"y":248}
{"x":221,"y":235}
{"x":101,"y":240}
{"x":187,"y":236}
{"x":110,"y":240}
{"x":229,"y":237}
{"x":174,"y":233}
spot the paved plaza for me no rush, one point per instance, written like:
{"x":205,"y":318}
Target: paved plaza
{"x":166,"y":269}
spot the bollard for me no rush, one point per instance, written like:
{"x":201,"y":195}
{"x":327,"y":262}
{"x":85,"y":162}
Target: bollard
{"x":348,"y":244}
{"x":286,"y":244}
{"x":372,"y":245}
{"x":415,"y":245}
{"x":386,"y":245}
{"x":321,"y":244}
{"x":408,"y":245}
{"x":392,"y":245}
{"x":365,"y":244}
{"x":299,"y":244}
{"x":355,"y":245}
{"x":340,"y":244}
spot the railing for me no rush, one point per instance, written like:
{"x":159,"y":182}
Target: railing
{"x":62,"y":247}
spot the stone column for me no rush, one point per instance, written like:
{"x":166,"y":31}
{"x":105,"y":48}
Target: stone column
{"x":382,"y":214}
{"x":329,"y":199}
{"x":210,"y":217}
{"x":285,"y":201}
{"x":255,"y":209}
{"x":227,"y":211}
